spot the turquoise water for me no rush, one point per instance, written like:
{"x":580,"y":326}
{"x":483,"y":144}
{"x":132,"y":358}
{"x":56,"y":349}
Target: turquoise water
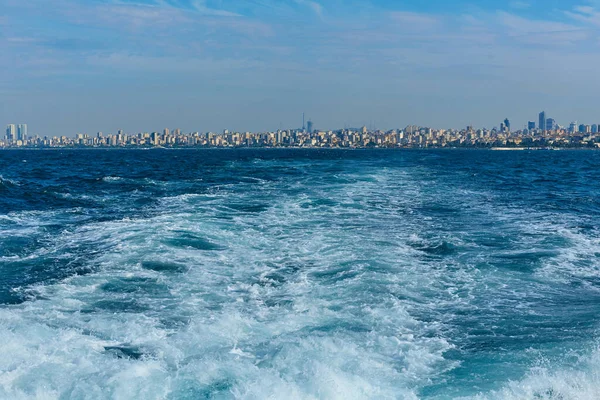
{"x":299,"y":274}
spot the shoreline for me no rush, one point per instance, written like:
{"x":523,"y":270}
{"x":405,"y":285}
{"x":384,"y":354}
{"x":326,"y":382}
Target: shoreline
{"x":301,"y":148}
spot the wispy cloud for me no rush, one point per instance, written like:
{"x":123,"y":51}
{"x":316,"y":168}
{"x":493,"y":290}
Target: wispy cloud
{"x":414,"y":20}
{"x":585,"y":14}
{"x":305,"y":47}
{"x":316,"y":8}
{"x":519,"y":5}
{"x":201,"y":7}
{"x":198,"y":6}
{"x":542,"y":32}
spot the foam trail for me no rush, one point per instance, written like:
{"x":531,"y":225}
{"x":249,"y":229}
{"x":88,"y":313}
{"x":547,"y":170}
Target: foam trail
{"x":302,"y":275}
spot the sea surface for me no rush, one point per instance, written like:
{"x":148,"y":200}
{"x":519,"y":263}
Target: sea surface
{"x":299,"y":274}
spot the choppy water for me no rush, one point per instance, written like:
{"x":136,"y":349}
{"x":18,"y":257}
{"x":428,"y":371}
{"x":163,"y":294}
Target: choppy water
{"x":292,"y":274}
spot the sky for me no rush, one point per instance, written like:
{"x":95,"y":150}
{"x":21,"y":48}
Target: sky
{"x":83,"y":66}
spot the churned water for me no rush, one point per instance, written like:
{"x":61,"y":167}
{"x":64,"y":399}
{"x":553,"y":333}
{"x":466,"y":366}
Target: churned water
{"x":299,"y":274}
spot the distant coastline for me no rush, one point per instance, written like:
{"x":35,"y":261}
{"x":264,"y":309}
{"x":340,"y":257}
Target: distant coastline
{"x":204,"y":148}
{"x":411,"y":137}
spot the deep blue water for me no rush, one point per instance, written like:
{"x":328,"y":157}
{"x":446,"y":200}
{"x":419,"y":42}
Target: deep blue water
{"x":299,"y":274}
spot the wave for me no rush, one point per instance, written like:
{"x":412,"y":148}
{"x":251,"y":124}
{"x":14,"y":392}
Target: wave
{"x":579,"y":382}
{"x":5,"y":182}
{"x":112,"y":179}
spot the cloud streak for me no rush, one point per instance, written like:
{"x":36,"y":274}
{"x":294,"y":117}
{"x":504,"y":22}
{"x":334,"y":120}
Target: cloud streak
{"x":316,"y":8}
{"x":547,"y":33}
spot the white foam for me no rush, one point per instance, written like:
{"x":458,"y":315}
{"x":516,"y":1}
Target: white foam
{"x":579,"y":382}
{"x":299,"y":303}
{"x":112,"y":178}
{"x":10,"y":181}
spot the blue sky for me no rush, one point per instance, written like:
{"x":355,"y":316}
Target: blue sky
{"x":101,"y":65}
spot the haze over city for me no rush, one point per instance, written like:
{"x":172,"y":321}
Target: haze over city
{"x":89,"y":66}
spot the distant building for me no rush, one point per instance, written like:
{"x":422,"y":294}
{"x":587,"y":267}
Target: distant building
{"x":309,"y":126}
{"x":22,"y":132}
{"x":542,"y":121}
{"x":507,"y":124}
{"x":11,"y":133}
{"x":550,"y":124}
{"x":573,"y":127}
{"x":582,"y":128}
{"x":155,"y":138}
{"x":594,"y":128}
{"x":531,"y":125}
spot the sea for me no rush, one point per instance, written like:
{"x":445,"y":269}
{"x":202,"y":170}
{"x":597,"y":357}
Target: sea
{"x":299,"y":274}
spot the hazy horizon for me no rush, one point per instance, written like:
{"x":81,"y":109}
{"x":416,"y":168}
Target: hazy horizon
{"x":89,"y":66}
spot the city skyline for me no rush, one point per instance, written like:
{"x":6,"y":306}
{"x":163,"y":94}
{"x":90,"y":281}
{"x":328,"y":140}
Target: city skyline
{"x":82,"y":66}
{"x":544,"y":123}
{"x":548,"y":134}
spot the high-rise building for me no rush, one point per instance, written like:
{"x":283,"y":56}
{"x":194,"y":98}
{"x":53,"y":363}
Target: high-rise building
{"x":531,"y":125}
{"x":550,"y":124}
{"x":22,"y":132}
{"x":542,"y":121}
{"x":582,"y":128}
{"x":594,"y":128}
{"x":507,"y":124}
{"x":155,"y":138}
{"x":309,"y":126}
{"x":573,"y":127}
{"x":166,"y":132}
{"x":11,"y":133}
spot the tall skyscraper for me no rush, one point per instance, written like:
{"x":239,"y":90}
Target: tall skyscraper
{"x":550,"y":124}
{"x":531,"y":125}
{"x":11,"y":133}
{"x":573,"y":127}
{"x":309,"y":126}
{"x":542,"y":122}
{"x":22,"y":132}
{"x":507,"y":124}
